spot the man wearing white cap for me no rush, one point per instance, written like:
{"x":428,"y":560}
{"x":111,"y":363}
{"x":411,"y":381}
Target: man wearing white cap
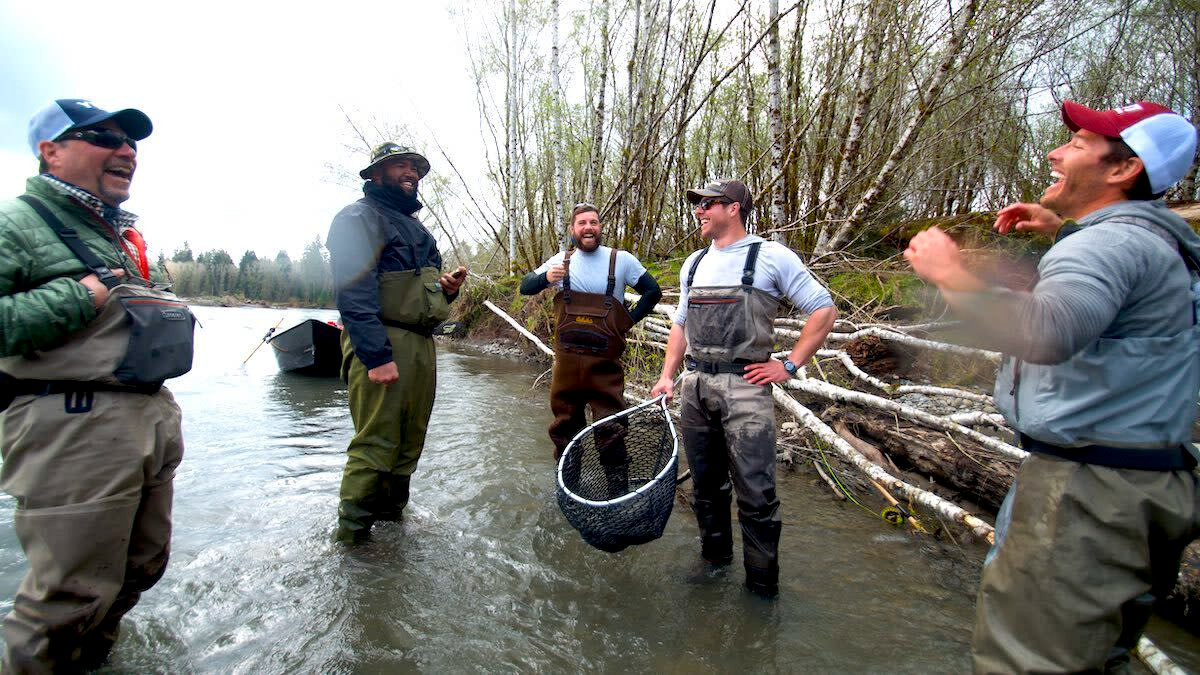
{"x":1100,"y":382}
{"x":90,"y":437}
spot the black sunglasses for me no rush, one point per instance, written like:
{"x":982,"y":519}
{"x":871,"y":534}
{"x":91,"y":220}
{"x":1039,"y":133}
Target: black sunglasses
{"x":707,"y":202}
{"x":101,"y":138}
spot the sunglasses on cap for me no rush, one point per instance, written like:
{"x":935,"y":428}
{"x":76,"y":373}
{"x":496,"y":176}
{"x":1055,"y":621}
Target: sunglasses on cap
{"x":707,"y":202}
{"x":101,"y":138}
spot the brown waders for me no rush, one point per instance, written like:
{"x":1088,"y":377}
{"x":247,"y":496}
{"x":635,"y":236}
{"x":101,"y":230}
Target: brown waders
{"x":92,"y":476}
{"x":1082,"y":552}
{"x":390,"y":421}
{"x":728,"y":424}
{"x":589,"y":341}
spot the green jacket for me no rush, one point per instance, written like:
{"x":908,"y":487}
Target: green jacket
{"x":41,"y":301}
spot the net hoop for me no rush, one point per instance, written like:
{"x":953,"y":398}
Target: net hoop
{"x":661,"y":402}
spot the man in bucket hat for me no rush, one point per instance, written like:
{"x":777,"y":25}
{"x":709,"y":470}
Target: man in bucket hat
{"x":729,"y":295}
{"x":89,"y":461}
{"x":391,"y":294}
{"x":1100,"y":382}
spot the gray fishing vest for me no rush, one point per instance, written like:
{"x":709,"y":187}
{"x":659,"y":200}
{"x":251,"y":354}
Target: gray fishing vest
{"x":730,"y":323}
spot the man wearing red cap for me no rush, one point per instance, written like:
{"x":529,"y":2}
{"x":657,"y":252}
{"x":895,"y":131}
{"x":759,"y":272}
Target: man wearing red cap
{"x":1100,"y":382}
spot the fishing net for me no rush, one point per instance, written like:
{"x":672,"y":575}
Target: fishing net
{"x":616,"y":479}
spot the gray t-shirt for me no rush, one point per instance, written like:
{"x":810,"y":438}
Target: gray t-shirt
{"x":778,"y":271}
{"x":589,"y":271}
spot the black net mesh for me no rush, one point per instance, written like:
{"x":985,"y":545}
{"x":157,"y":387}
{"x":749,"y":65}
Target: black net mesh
{"x":616,"y":480}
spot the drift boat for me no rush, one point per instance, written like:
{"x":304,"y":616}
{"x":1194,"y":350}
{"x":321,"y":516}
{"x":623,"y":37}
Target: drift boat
{"x":310,"y":347}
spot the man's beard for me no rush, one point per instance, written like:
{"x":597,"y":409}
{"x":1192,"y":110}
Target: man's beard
{"x":587,"y":247}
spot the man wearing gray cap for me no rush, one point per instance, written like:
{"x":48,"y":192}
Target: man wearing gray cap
{"x":729,"y":295}
{"x":391,"y":294}
{"x":90,"y":437}
{"x":1100,"y":382}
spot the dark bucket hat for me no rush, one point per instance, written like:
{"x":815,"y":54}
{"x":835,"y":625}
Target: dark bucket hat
{"x":387,"y":151}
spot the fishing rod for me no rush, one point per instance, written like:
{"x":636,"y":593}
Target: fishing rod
{"x":265,"y":338}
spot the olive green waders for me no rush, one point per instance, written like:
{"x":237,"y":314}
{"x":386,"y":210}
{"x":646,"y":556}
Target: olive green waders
{"x":93,"y":489}
{"x":589,"y":341}
{"x":1082,"y":552}
{"x":390,"y":421}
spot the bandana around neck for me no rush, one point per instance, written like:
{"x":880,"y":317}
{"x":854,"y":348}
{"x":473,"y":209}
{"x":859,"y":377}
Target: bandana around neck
{"x":392,"y":196}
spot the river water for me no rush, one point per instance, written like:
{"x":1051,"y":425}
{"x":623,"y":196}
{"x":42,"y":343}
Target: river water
{"x":484,"y":574}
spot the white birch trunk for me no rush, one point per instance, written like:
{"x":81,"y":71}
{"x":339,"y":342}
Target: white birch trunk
{"x":597,"y":159}
{"x":559,"y":219}
{"x":775,"y":113}
{"x":511,"y":160}
{"x":520,"y":329}
{"x":925,"y":107}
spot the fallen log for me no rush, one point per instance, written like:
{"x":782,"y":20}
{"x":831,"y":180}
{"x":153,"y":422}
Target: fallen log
{"x":931,"y":501}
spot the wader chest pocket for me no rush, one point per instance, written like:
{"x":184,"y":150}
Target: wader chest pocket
{"x":584,"y":340}
{"x":719,"y":321}
{"x":160,"y":340}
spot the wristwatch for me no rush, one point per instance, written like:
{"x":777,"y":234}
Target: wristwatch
{"x":790,"y":367}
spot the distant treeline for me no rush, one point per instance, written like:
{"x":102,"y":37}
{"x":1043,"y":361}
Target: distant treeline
{"x":275,"y":280}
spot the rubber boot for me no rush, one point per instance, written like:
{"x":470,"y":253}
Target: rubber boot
{"x":1135,"y":614}
{"x":354,"y":523}
{"x":763,"y":582}
{"x":394,"y":498}
{"x":717,"y":548}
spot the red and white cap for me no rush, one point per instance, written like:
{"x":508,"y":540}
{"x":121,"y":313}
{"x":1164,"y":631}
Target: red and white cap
{"x":1162,"y":139}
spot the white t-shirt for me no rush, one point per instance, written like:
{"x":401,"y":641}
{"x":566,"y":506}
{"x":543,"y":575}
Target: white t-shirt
{"x":777,"y":271}
{"x":589,"y":271}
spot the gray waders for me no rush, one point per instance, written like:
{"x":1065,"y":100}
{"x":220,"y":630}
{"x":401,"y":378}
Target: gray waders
{"x":728,"y":424}
{"x":390,"y":421}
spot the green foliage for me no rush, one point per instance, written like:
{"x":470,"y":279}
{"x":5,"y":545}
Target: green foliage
{"x":182,"y":254}
{"x":877,"y":289}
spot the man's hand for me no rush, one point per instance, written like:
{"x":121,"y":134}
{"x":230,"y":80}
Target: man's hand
{"x":935,"y":258}
{"x":97,"y":287}
{"x":766,"y":372}
{"x":452,"y":281}
{"x":665,"y":385}
{"x":1025,"y":217}
{"x":555,"y":274}
{"x":385,"y":374}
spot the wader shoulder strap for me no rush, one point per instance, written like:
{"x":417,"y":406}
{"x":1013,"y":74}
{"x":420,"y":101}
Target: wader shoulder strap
{"x":695,"y":264}
{"x":567,"y":275}
{"x":612,"y":273}
{"x":751,"y":261}
{"x":71,"y":238}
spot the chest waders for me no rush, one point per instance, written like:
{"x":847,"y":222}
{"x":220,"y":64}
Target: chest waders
{"x":589,"y":341}
{"x":90,"y":443}
{"x":728,"y":424}
{"x":390,"y":421}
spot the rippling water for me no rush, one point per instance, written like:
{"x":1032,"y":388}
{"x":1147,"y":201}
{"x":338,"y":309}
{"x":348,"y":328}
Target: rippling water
{"x":484,"y":574}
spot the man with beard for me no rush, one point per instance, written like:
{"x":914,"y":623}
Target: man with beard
{"x":591,"y":322}
{"x":1100,"y":382}
{"x":391,"y":294}
{"x":729,"y":295}
{"x":90,"y":447}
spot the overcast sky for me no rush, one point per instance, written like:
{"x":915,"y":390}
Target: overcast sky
{"x":244,"y":97}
